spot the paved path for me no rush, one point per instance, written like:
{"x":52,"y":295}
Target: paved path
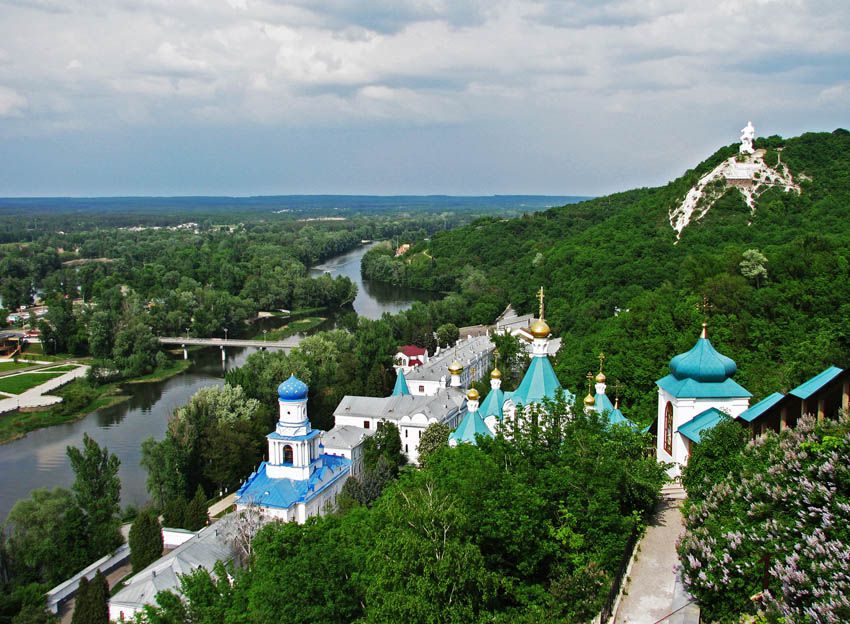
{"x":221,"y":505}
{"x":653,"y":590}
{"x":37,"y":397}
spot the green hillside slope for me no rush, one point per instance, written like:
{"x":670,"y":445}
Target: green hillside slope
{"x":620,"y":253}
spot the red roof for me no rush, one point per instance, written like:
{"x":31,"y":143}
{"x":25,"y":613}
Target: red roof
{"x":413,"y":351}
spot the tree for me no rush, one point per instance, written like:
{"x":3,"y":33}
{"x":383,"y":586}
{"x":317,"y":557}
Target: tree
{"x":717,"y":455}
{"x":174,"y":512}
{"x":165,"y":462}
{"x":435,"y":436}
{"x":97,"y":491}
{"x":197,"y":514}
{"x":145,"y":540}
{"x":384,"y":443}
{"x":447,"y":334}
{"x":753,"y":266}
{"x":92,"y":601}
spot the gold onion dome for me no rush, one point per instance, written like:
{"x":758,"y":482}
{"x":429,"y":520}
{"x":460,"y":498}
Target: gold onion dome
{"x":588,"y":400}
{"x":495,"y":374}
{"x":539,"y":329}
{"x":472,"y":394}
{"x":600,"y":377}
{"x":455,"y":368}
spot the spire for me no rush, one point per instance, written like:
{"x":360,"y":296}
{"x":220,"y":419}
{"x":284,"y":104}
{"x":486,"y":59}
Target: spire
{"x":589,"y":400}
{"x":600,"y":377}
{"x":540,"y":297}
{"x":400,"y":388}
{"x":704,"y":307}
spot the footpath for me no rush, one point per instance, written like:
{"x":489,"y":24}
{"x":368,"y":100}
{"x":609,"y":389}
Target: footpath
{"x":654,"y":593}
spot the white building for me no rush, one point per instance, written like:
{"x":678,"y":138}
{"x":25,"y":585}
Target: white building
{"x":347,"y":441}
{"x":299,"y":479}
{"x":693,"y":398}
{"x":409,"y":357}
{"x":475,"y":355}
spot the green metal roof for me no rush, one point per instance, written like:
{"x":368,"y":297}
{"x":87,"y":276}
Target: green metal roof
{"x":400,"y":388}
{"x":761,"y":407}
{"x":808,"y":388}
{"x":703,"y":363}
{"x":691,"y":388}
{"x":492,"y":404}
{"x":471,"y":426}
{"x":702,"y":421}
{"x":602,"y":404}
{"x":538,"y":383}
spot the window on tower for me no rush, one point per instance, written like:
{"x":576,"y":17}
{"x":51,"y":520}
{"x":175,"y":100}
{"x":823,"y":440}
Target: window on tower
{"x":287,"y":454}
{"x":668,"y":428}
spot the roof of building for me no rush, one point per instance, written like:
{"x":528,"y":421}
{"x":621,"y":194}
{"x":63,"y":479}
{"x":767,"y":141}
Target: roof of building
{"x":703,"y":363}
{"x":345,"y":437}
{"x":265,"y":491}
{"x":616,"y":417}
{"x":412,"y":350}
{"x":466,"y":352}
{"x":602,"y":404}
{"x":472,"y":425}
{"x":492,"y":404}
{"x":693,"y":429}
{"x":394,"y":408}
{"x":202,"y":551}
{"x":808,"y":388}
{"x":400,"y":387}
{"x":729,"y":389}
{"x":538,"y":383}
{"x":761,"y":407}
{"x":293,"y":389}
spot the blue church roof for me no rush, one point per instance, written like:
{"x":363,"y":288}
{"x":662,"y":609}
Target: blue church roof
{"x":702,"y":373}
{"x":293,"y":389}
{"x":701,"y":422}
{"x":602,"y":404}
{"x":808,"y":388}
{"x":538,"y":383}
{"x":492,"y":404}
{"x":400,"y":388}
{"x":471,"y":426}
{"x":264,"y":491}
{"x":761,"y":407}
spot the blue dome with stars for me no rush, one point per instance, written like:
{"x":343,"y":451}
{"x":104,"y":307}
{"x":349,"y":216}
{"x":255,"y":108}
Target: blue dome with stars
{"x":293,"y":389}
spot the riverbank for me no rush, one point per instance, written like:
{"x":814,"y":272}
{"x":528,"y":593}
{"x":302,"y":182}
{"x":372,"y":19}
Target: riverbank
{"x":299,"y":326}
{"x":79,"y":398}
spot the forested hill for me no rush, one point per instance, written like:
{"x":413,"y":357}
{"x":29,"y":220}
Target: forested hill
{"x":620,"y":253}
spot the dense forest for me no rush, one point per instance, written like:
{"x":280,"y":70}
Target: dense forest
{"x":618,"y":280}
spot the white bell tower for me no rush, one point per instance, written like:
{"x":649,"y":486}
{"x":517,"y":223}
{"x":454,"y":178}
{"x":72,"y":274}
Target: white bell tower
{"x":294,"y":445}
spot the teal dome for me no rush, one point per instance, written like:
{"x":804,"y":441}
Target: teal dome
{"x":293,"y":389}
{"x":703,"y":363}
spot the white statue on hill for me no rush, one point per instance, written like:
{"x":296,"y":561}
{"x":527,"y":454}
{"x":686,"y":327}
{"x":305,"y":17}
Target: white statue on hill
{"x":748,"y":135}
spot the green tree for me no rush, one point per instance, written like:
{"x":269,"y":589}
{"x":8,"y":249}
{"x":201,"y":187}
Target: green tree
{"x":717,"y":455}
{"x":435,"y":436}
{"x":97,"y":491}
{"x":92,"y":601}
{"x":753,"y":266}
{"x":197,"y":511}
{"x":165,"y":462}
{"x":447,"y":334}
{"x":145,"y":540}
{"x":174,"y":512}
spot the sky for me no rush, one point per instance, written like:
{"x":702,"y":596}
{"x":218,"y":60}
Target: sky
{"x":474,"y":97}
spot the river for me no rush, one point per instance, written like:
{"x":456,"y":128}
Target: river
{"x":39,"y":459}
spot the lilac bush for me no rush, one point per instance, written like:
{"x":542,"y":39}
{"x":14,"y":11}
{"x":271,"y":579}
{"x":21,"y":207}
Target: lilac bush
{"x":775,"y":537}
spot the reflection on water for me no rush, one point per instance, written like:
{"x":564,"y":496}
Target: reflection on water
{"x":39,"y":459}
{"x":373,"y":298}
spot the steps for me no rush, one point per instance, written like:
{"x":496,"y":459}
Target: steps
{"x":673,"y":492}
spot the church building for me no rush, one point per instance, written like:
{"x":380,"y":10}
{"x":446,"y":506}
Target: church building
{"x":693,"y":398}
{"x":299,"y":479}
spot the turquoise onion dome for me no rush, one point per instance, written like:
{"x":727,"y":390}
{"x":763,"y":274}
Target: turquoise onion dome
{"x":703,"y":363}
{"x":293,"y":389}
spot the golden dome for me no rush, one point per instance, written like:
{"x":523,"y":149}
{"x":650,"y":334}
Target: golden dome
{"x":588,"y":400}
{"x":455,"y":368}
{"x":600,"y":377}
{"x":472,"y":394}
{"x":495,"y":374}
{"x":539,"y":329}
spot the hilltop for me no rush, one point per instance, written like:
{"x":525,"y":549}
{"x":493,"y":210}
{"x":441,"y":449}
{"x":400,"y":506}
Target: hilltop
{"x":625,"y":273}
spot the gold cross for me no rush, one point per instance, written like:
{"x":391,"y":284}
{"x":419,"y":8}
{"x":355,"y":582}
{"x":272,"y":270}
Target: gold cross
{"x":589,"y":383}
{"x":705,"y":306}
{"x":540,"y":297}
{"x":601,"y":360}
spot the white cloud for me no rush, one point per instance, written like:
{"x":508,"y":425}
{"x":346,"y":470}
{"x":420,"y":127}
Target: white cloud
{"x":12,"y":103}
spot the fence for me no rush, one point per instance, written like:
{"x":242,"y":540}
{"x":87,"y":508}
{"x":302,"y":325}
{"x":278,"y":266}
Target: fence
{"x":619,"y":577}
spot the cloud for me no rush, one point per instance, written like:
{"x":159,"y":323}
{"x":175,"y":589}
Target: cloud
{"x":12,"y":103}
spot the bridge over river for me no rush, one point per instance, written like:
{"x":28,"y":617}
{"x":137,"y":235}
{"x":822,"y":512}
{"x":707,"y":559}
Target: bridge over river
{"x":286,"y":343}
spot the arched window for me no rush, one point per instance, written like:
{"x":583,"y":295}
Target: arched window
{"x":287,"y":454}
{"x":668,"y":428}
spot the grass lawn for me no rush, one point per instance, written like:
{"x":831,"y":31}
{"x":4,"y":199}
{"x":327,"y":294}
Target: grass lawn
{"x":292,"y":328}
{"x":9,"y":366}
{"x":173,"y":367}
{"x":21,"y":383}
